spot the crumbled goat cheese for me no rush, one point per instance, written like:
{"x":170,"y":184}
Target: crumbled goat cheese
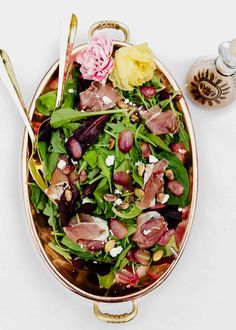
{"x":152,"y":159}
{"x":146,"y":232}
{"x":165,"y":199}
{"x":61,"y":164}
{"x":115,"y":251}
{"x":106,"y":100}
{"x":110,"y":160}
{"x":138,"y":163}
{"x":71,"y":91}
{"x":127,"y":171}
{"x":118,"y":202}
{"x":117,"y":192}
{"x":180,"y":209}
{"x":126,"y":101}
{"x":87,"y":200}
{"x":74,"y":162}
{"x":181,"y":151}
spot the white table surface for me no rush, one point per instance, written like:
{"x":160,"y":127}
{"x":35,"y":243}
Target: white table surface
{"x":200,"y":292}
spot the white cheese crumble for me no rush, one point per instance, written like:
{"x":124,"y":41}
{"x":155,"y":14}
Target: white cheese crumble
{"x":126,"y":101}
{"x":118,"y":202}
{"x":115,"y":251}
{"x":180,"y":209}
{"x":71,"y":91}
{"x":110,"y":160}
{"x":147,"y":173}
{"x":127,"y":171}
{"x":138,"y":163}
{"x":181,"y":151}
{"x":61,"y":164}
{"x":117,"y":192}
{"x":165,"y":199}
{"x":106,"y":100}
{"x":87,"y":200}
{"x":152,"y":159}
{"x":146,"y":232}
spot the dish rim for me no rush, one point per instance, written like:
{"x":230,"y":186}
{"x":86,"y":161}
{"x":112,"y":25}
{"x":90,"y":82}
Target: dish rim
{"x":26,"y":196}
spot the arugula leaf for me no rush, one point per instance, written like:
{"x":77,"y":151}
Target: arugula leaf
{"x":100,"y":191}
{"x":130,"y":213}
{"x":105,"y":170}
{"x":156,"y":81}
{"x":71,"y":245}
{"x":37,"y":197}
{"x":67,"y":115}
{"x":69,"y":129}
{"x":45,"y":104}
{"x":57,"y":144}
{"x":120,"y":258}
{"x":51,"y":211}
{"x":166,"y":248}
{"x":106,"y":281}
{"x":60,"y":250}
{"x":52,"y":161}
{"x":183,"y":136}
{"x":181,"y":175}
{"x":42,"y":148}
{"x":153,"y":139}
{"x":70,"y":94}
{"x":91,"y":158}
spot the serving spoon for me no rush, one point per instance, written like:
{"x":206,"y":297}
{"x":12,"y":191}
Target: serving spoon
{"x":67,"y":37}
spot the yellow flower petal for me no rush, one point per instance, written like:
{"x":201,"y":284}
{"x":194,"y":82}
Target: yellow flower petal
{"x":133,"y":66}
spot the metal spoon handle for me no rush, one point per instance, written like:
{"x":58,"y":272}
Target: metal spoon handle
{"x":67,"y":38}
{"x":9,"y":79}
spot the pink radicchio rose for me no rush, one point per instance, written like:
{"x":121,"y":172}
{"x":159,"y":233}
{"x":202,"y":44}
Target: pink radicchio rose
{"x":95,"y":59}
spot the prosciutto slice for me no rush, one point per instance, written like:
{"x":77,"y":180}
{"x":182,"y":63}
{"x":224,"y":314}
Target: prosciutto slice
{"x":153,"y":184}
{"x":161,"y":122}
{"x":99,"y":97}
{"x":87,"y":229}
{"x":150,"y":228}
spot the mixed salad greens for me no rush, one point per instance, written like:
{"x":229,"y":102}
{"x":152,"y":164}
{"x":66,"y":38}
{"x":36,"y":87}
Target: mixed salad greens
{"x":116,"y":161}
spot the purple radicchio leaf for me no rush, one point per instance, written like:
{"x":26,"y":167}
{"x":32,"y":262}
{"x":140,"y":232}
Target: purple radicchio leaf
{"x":88,"y":132}
{"x":66,"y":208}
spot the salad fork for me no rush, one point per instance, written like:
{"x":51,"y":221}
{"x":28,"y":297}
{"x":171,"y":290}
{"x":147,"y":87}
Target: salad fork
{"x":67,"y":38}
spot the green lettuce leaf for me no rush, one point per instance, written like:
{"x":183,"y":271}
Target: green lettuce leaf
{"x":45,"y":104}
{"x":106,"y":281}
{"x":181,"y":175}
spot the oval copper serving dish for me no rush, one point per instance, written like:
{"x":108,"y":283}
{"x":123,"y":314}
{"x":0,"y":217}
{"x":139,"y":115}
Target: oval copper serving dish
{"x":62,"y":269}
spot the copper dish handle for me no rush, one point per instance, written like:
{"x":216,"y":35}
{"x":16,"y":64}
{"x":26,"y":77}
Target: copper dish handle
{"x":115,"y":25}
{"x":116,"y":318}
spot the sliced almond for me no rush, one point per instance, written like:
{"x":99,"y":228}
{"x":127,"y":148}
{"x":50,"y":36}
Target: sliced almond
{"x":141,"y":169}
{"x":139,"y":193}
{"x":109,"y":245}
{"x":157,"y":255}
{"x":170,"y":175}
{"x":68,"y":195}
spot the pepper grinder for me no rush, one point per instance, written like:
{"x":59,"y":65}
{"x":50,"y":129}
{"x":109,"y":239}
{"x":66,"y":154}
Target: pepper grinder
{"x":212,"y":80}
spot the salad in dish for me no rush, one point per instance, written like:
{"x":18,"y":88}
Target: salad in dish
{"x":117,"y":160}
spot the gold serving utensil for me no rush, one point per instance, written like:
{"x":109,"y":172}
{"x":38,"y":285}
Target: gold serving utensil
{"x":67,"y":37}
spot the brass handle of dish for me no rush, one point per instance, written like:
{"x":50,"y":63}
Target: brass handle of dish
{"x":116,"y":318}
{"x":115,"y":25}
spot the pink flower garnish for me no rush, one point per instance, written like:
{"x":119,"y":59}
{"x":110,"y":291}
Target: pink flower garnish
{"x":95,"y":59}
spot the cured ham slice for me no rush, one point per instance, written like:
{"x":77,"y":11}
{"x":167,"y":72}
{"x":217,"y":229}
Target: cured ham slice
{"x":153,"y":185}
{"x":150,"y":227}
{"x":161,"y":122}
{"x":99,"y":97}
{"x":127,"y":276}
{"x":179,"y":232}
{"x":87,"y":229}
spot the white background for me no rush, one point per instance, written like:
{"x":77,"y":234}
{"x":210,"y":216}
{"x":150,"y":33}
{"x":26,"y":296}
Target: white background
{"x":200,"y":292}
